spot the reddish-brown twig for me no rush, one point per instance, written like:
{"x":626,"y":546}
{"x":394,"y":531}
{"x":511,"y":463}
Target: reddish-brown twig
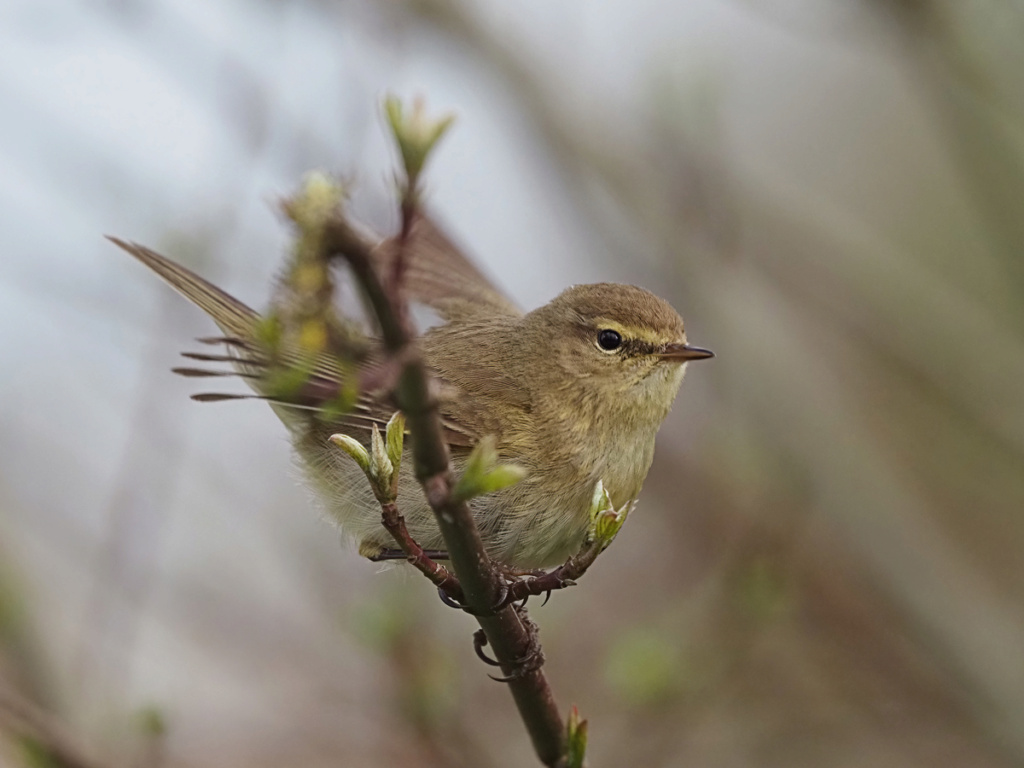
{"x":439,"y":576}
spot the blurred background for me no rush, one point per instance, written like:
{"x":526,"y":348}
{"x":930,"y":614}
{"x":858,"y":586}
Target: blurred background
{"x":825,"y":569}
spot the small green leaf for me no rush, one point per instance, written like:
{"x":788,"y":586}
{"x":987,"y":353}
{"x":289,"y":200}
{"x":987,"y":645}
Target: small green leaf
{"x":501,"y":477}
{"x":483,"y":456}
{"x":483,"y":474}
{"x":355,"y":449}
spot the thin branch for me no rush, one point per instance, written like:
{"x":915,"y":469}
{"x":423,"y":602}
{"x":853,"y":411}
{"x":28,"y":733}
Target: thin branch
{"x":482,"y":585}
{"x":439,"y":576}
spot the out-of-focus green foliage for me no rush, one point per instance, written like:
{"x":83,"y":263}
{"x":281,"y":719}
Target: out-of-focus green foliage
{"x":424,"y":678}
{"x":36,"y":755}
{"x":645,"y":666}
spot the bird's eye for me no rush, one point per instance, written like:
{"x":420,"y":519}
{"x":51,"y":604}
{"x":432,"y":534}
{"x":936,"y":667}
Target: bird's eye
{"x":608,"y":340}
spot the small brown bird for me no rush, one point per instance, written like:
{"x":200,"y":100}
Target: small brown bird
{"x":573,"y":391}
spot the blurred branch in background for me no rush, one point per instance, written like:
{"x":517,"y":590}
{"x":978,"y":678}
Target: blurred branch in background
{"x":40,"y":739}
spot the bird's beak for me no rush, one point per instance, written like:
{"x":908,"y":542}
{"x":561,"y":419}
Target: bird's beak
{"x":683,"y":352}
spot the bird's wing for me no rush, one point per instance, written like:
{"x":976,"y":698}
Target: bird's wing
{"x":439,"y":275}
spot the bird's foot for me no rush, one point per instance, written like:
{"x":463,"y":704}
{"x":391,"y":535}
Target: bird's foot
{"x":533,"y":583}
{"x":530,"y":661}
{"x":501,"y":601}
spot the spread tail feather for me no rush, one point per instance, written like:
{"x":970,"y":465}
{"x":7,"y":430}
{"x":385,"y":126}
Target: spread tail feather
{"x":232,"y":316}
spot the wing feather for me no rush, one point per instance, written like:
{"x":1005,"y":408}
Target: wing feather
{"x":440,"y":275}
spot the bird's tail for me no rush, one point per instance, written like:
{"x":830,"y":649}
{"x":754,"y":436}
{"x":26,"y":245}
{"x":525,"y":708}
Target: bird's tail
{"x":323,"y":377}
{"x":233,"y":317}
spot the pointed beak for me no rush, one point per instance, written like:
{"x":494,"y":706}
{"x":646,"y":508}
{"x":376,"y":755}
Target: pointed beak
{"x":683,"y":352}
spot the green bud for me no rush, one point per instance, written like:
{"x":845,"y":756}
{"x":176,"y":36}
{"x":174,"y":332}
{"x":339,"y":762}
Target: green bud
{"x":414,"y":133}
{"x":576,"y":747}
{"x":608,"y":525}
{"x":319,"y":197}
{"x":381,"y":468}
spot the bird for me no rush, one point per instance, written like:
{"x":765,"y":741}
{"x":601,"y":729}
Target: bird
{"x":573,"y":392}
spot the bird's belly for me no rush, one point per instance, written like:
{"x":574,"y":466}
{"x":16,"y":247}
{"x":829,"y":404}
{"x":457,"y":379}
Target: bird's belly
{"x":540,"y":525}
{"x":537,"y":523}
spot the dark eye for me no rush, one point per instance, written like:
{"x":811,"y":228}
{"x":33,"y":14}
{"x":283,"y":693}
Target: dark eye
{"x":608,"y":339}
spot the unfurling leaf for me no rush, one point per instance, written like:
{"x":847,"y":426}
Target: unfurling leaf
{"x":605,"y":520}
{"x":600,"y":502}
{"x":395,"y":438}
{"x":375,"y":463}
{"x":355,"y":449}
